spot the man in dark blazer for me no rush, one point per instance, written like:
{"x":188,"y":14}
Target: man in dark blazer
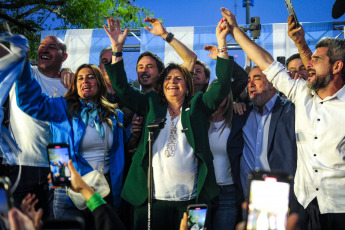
{"x":280,"y":141}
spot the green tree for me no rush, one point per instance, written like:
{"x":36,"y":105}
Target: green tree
{"x":29,"y":17}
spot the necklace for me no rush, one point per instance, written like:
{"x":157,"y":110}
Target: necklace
{"x":171,"y":145}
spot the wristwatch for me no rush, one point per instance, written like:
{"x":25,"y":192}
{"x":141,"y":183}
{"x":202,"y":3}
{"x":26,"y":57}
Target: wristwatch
{"x":169,"y":37}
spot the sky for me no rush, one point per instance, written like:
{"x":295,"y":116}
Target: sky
{"x":206,"y":12}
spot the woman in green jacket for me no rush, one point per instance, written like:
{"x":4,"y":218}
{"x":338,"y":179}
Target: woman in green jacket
{"x":183,"y":170}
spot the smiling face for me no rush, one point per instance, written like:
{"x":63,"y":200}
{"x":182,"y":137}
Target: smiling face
{"x":87,"y":85}
{"x":199,"y":78}
{"x":319,"y":69}
{"x":174,"y":86}
{"x":50,"y":55}
{"x":259,"y":89}
{"x":296,"y":66}
{"x":147,"y":72}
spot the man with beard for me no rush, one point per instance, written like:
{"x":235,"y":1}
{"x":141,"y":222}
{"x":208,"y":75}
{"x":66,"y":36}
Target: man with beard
{"x":266,"y":132}
{"x":31,"y":135}
{"x":320,"y":103}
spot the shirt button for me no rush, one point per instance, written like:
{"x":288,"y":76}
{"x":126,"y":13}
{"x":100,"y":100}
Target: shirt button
{"x":318,"y":119}
{"x":314,"y":155}
{"x":315,"y":137}
{"x":317,"y":189}
{"x":316,"y":170}
{"x":321,"y":102}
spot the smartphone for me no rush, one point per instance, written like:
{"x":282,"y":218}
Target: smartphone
{"x":268,"y":200}
{"x":58,"y":157}
{"x":6,"y":199}
{"x":196,"y":216}
{"x":291,"y":11}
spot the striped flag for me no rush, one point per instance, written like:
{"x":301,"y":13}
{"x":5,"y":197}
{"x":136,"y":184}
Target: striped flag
{"x":84,"y":46}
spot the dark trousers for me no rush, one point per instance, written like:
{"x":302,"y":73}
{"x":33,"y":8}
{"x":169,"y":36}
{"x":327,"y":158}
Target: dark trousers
{"x":311,"y":218}
{"x":32,"y":180}
{"x":166,"y":215}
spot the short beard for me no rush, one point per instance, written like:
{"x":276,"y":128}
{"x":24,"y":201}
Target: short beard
{"x":320,"y":82}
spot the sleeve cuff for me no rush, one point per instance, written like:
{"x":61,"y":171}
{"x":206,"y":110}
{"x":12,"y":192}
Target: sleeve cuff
{"x":95,"y":201}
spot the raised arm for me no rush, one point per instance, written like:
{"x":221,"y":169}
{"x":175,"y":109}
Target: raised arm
{"x":129,"y":96}
{"x":298,"y":37}
{"x":256,"y":53}
{"x":220,"y":89}
{"x":239,"y":75}
{"x":32,"y":101}
{"x":187,"y":55}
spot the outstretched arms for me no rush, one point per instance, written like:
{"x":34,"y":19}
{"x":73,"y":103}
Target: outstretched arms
{"x":260,"y":56}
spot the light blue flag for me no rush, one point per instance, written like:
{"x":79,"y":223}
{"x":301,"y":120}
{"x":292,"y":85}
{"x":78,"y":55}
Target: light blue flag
{"x":11,"y":66}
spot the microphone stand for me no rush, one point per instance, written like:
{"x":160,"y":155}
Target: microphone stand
{"x":158,"y":123}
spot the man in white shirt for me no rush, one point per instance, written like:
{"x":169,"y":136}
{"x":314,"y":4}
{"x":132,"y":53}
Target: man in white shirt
{"x":31,"y":135}
{"x":320,"y":118}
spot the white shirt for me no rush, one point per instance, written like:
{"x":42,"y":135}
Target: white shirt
{"x":218,"y":143}
{"x":32,"y":135}
{"x":92,"y":147}
{"x":320,"y":135}
{"x":174,"y":177}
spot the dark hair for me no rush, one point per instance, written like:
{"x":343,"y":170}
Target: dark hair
{"x":73,"y":99}
{"x":158,"y":85}
{"x":207,"y":73}
{"x":292,"y":57}
{"x":159,"y":62}
{"x":206,"y":68}
{"x":336,"y":51}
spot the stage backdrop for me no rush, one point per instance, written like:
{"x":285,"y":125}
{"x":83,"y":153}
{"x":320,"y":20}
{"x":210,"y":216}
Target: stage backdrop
{"x":84,"y":45}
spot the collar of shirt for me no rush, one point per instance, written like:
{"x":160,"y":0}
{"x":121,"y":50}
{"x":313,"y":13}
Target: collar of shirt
{"x":340,"y":95}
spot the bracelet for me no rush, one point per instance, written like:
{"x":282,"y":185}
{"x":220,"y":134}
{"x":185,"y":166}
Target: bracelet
{"x":306,"y":55}
{"x":169,"y":37}
{"x":222,"y":50}
{"x":117,"y":54}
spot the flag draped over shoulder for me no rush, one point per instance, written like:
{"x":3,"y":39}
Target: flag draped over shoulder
{"x":11,"y":66}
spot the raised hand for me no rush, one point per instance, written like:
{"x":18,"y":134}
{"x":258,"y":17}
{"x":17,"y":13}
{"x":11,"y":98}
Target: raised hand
{"x":213,"y":51}
{"x":117,"y":38}
{"x":297,"y":35}
{"x":230,"y":18}
{"x":28,"y":208}
{"x":222,"y":29}
{"x":157,"y":26}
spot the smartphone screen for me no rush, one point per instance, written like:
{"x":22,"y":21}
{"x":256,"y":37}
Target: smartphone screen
{"x":58,"y":156}
{"x":196,"y":216}
{"x":3,"y":202}
{"x":268,"y":202}
{"x":291,"y":11}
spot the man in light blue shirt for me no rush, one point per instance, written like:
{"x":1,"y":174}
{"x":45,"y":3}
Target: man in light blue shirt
{"x":269,"y":127}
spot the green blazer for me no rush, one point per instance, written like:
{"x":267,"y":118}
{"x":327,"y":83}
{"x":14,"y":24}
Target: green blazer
{"x":195,"y":126}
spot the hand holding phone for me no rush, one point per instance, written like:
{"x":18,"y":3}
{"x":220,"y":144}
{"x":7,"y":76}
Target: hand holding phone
{"x":196,"y":216}
{"x":291,"y":11}
{"x":58,"y":157}
{"x":268,"y":202}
